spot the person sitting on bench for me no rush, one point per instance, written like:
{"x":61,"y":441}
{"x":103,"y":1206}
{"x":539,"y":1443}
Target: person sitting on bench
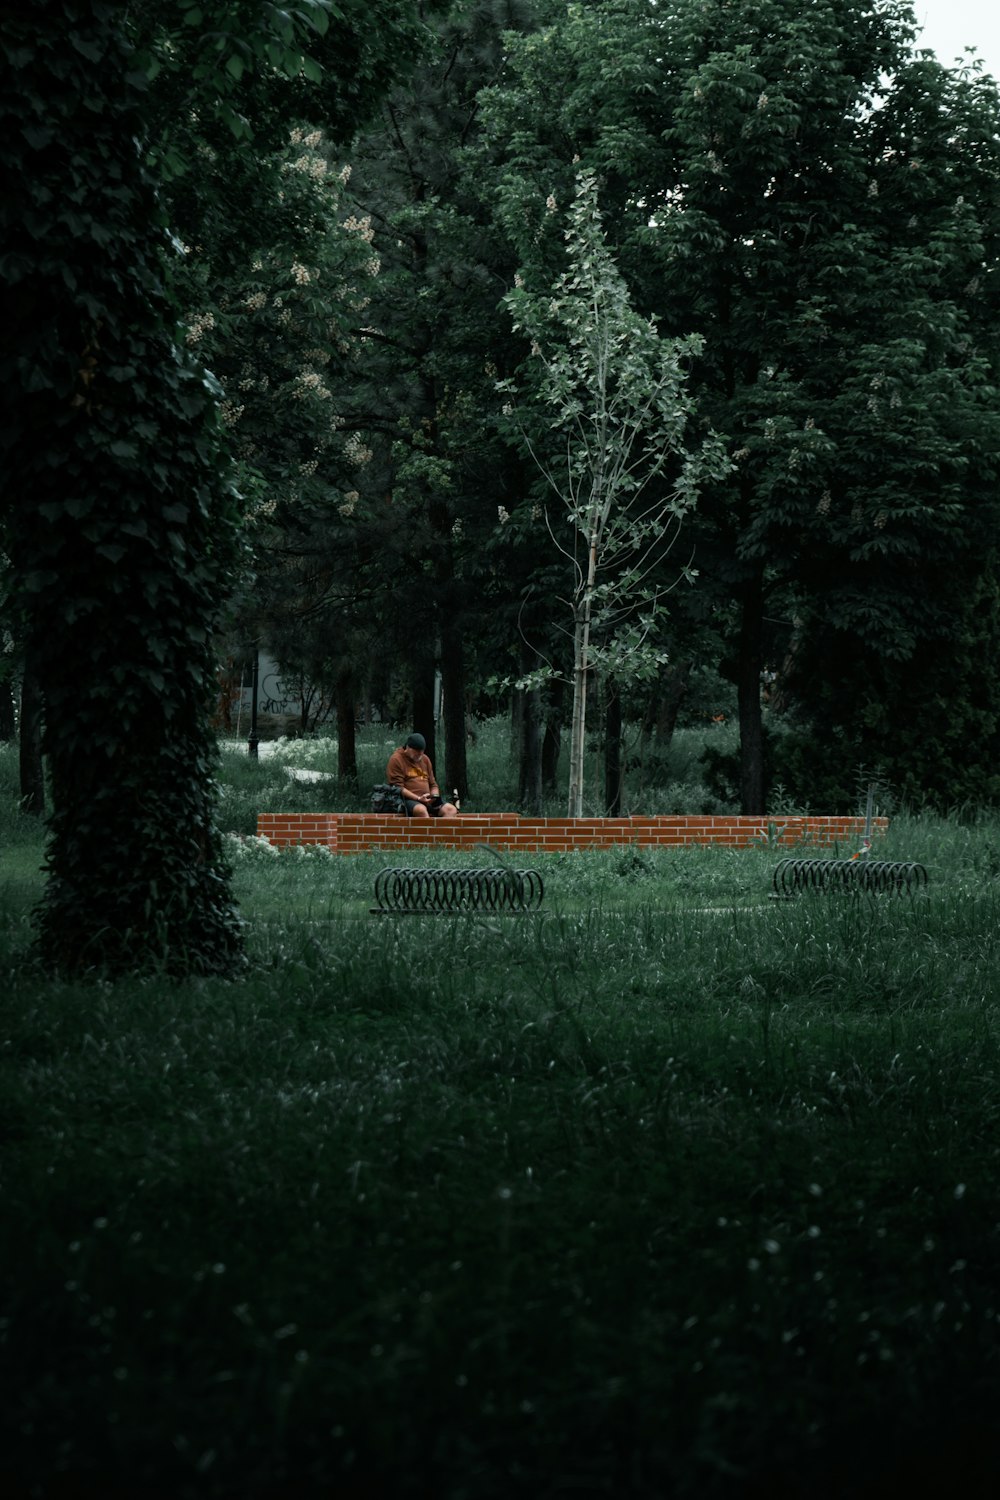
{"x":410,"y":769}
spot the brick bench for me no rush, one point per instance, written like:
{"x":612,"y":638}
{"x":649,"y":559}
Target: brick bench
{"x":360,"y":833}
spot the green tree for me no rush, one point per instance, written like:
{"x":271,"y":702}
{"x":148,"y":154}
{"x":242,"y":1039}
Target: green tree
{"x":820,"y":204}
{"x":416,"y":399}
{"x":617,"y":415}
{"x":121,"y":524}
{"x":278,"y":324}
{"x":121,"y":521}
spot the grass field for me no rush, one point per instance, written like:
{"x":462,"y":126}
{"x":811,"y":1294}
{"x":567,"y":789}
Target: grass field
{"x":669,"y":1190}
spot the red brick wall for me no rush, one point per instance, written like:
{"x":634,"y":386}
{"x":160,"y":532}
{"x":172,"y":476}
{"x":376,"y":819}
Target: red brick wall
{"x":356,"y":833}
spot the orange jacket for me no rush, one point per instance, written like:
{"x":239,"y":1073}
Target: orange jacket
{"x":415,"y":778}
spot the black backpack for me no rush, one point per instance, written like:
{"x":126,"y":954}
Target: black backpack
{"x":387,"y":799}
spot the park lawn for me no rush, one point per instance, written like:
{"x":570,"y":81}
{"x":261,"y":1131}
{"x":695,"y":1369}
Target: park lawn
{"x":312,"y":885}
{"x":631,"y":1199}
{"x":20,"y":879}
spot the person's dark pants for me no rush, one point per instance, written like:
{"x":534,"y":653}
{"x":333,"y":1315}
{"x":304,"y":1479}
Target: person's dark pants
{"x":433,"y":807}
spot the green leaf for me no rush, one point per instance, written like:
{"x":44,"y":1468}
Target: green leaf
{"x":238,"y":124}
{"x":319,"y":17}
{"x":78,"y":506}
{"x":38,"y":581}
{"x":86,"y":49}
{"x":172,"y":165}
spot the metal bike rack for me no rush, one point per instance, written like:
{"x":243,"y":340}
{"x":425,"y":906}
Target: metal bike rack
{"x":792,"y":876}
{"x":454,"y":892}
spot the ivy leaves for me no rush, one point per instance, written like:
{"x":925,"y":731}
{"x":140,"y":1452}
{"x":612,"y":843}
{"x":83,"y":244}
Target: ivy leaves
{"x":120,"y":520}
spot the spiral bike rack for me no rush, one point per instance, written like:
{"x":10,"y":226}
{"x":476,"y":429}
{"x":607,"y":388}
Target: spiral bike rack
{"x":401,"y":893}
{"x":791,"y":876}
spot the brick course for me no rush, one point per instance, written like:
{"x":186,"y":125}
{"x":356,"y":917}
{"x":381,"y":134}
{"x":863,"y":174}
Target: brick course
{"x":358,"y":833}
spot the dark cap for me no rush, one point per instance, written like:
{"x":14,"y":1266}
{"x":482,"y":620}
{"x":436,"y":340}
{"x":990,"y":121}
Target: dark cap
{"x":416,"y":742}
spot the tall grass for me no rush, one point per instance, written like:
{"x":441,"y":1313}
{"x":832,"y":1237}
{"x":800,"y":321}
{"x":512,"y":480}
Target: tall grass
{"x":669,"y":1190}
{"x":655,"y":782}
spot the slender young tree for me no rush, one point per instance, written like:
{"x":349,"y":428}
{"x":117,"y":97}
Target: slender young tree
{"x":614,"y":450}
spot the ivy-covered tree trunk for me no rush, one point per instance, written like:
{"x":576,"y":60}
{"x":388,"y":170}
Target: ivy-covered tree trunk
{"x":8,"y":717}
{"x":31,"y":772}
{"x":120,"y":523}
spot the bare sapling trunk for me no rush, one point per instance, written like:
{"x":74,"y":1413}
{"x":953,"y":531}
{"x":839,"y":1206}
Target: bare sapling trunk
{"x":611,"y":412}
{"x":581,"y":671}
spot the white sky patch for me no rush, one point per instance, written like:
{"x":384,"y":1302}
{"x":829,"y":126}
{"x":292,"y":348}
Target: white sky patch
{"x":948,"y":27}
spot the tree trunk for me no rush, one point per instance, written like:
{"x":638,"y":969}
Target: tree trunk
{"x":347,"y":757}
{"x":612,"y":750}
{"x":8,"y":718}
{"x":308,"y":695}
{"x":423,"y":702}
{"x":129,"y":557}
{"x":748,"y":692}
{"x":578,"y":729}
{"x":456,"y":778}
{"x":30,"y":762}
{"x":529,"y":789}
{"x":552,"y":737}
{"x":581,"y":680}
{"x":675,"y":686}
